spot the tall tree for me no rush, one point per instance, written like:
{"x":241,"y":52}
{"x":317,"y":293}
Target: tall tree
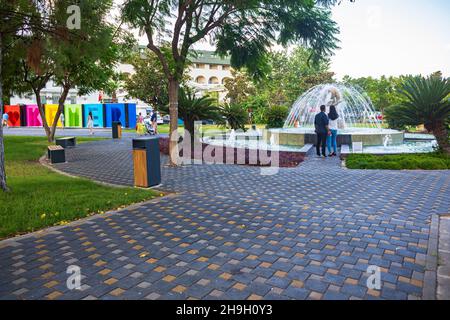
{"x":239,"y":87}
{"x":86,"y":60}
{"x":83,"y":58}
{"x":148,"y":83}
{"x":18,"y":19}
{"x":243,"y":29}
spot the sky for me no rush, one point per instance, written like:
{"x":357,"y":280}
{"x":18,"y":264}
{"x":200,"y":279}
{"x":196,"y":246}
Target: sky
{"x":388,"y":37}
{"x":392,"y":37}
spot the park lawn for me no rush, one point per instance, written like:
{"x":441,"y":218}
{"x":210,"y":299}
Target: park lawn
{"x":39,"y":197}
{"x":422,"y":161}
{"x":211,"y":128}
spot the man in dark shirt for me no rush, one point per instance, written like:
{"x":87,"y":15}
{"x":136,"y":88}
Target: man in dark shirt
{"x":321,"y":123}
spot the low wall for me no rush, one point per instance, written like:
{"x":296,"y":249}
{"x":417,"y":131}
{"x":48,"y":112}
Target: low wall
{"x":240,"y":156}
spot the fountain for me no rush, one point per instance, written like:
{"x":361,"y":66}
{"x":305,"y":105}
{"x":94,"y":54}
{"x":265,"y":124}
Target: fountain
{"x":358,"y":125}
{"x":357,"y":118}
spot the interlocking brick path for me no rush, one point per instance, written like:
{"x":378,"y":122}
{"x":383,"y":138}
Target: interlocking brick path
{"x":229,"y":232}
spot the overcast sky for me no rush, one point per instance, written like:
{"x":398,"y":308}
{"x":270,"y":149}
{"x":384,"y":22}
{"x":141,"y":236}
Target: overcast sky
{"x":392,"y":37}
{"x":389,"y":37}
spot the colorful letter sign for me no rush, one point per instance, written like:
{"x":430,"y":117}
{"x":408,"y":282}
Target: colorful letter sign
{"x":76,"y":115}
{"x":114,"y":112}
{"x":97,"y":114}
{"x":131,"y":115}
{"x":73,"y":115}
{"x":14,"y":115}
{"x":50,"y":114}
{"x":33,"y":116}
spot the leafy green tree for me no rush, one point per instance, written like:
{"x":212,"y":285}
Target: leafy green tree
{"x":18,"y":19}
{"x":149,"y":82}
{"x":291,"y":74}
{"x":382,"y":92}
{"x":234,"y":116}
{"x":243,"y":29}
{"x":258,"y":106}
{"x":86,"y":60}
{"x":425,"y":101}
{"x":239,"y":87}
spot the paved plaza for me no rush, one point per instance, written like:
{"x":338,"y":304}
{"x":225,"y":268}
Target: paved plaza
{"x":229,"y":232}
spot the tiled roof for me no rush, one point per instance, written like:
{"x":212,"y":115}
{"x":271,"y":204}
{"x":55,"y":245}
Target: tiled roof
{"x":204,"y":56}
{"x":209,"y":57}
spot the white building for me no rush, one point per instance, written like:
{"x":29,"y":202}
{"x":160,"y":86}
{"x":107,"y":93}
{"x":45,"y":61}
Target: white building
{"x":207,"y":72}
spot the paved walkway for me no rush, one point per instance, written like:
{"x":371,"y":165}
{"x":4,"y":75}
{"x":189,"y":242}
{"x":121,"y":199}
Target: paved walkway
{"x":230,"y":232}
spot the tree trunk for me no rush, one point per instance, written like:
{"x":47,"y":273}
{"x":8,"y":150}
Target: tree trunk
{"x":174,"y":87}
{"x":61,"y":102}
{"x":441,"y":133}
{"x":37,"y":93}
{"x":3,"y":185}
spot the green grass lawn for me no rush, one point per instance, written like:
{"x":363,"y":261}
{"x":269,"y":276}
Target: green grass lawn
{"x":40,"y":198}
{"x":423,"y":161}
{"x":164,"y":128}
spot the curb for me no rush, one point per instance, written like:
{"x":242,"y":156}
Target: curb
{"x":14,"y":241}
{"x":430,"y":278}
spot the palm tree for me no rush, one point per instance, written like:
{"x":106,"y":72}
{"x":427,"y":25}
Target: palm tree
{"x":234,"y":115}
{"x":425,"y":101}
{"x":192,"y":108}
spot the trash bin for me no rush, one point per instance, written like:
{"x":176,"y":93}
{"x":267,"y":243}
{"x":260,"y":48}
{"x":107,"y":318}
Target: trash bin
{"x":117,"y":130}
{"x":147,"y":162}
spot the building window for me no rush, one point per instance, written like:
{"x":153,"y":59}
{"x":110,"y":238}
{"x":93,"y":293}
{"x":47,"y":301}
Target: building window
{"x":43,"y":99}
{"x":55,"y":98}
{"x":214,"y":67}
{"x":201,"y":66}
{"x":226,"y":67}
{"x":213,"y":80}
{"x":200,"y":79}
{"x":73,"y":99}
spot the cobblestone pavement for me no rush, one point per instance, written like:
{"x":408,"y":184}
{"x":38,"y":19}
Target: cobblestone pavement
{"x":229,"y":232}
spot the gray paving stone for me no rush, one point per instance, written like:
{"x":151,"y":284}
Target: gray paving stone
{"x":235,"y":221}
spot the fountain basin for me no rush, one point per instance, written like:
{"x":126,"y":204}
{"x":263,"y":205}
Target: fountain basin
{"x":303,"y":136}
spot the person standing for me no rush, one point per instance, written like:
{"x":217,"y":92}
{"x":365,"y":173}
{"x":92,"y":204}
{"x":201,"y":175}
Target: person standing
{"x":90,"y":123}
{"x":5,"y":119}
{"x":321,"y":127}
{"x":62,"y":119}
{"x":333,"y":126}
{"x":154,"y":121}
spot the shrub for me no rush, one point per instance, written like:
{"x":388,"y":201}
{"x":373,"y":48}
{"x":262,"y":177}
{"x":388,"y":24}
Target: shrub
{"x":432,"y":164}
{"x":425,"y":161}
{"x":235,"y":116}
{"x":276,"y":116}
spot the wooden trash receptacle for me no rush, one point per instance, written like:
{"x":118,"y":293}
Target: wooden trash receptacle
{"x":117,"y":130}
{"x":147,"y":162}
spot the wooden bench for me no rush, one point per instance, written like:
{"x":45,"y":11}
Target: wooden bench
{"x":66,"y":142}
{"x":56,"y":154}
